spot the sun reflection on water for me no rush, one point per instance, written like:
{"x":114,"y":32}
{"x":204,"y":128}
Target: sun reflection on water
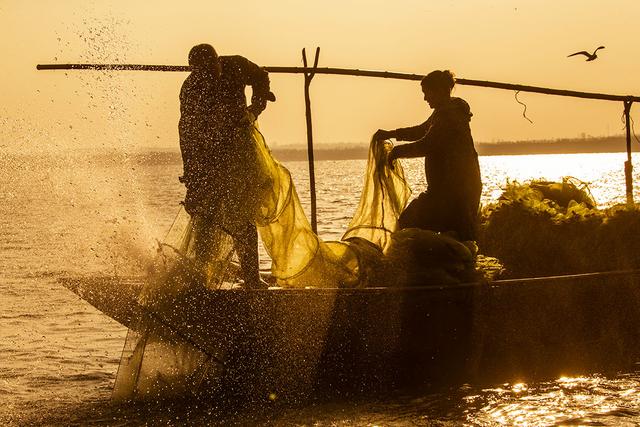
{"x":579,"y":400}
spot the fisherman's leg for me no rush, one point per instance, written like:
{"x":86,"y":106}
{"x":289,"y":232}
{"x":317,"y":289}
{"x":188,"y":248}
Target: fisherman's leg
{"x":465,"y":216}
{"x":203,"y":229}
{"x":468,"y":222}
{"x":409,"y":216}
{"x":246,"y":245}
{"x":423,"y":212}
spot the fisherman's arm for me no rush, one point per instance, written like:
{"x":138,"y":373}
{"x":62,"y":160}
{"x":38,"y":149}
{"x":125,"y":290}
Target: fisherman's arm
{"x":184,"y":125}
{"x":437,"y":134}
{"x":408,"y":151}
{"x":412,"y":133}
{"x":258,"y":78}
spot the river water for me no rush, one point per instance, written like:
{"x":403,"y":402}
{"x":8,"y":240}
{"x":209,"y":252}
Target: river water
{"x":67,"y":214}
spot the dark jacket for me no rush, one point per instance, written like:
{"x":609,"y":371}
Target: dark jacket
{"x":217,"y":151}
{"x":213,"y":111}
{"x":445,"y":141}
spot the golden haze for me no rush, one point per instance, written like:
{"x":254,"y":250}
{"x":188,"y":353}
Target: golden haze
{"x":510,"y":41}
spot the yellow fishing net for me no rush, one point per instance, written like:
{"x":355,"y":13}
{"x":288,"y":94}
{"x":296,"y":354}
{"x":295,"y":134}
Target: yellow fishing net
{"x":161,"y":359}
{"x":299,"y":257}
{"x":169,"y":350}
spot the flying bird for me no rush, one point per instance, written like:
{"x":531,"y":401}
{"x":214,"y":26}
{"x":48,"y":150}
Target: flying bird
{"x":590,"y":56}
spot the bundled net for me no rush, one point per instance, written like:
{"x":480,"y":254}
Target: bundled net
{"x":546,"y":228}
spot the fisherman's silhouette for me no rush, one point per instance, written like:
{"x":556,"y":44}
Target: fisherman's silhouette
{"x":218,"y":154}
{"x":452,"y":199}
{"x":590,"y":56}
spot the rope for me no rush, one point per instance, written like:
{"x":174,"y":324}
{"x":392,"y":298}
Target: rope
{"x":633,"y":131}
{"x":624,"y":124}
{"x":524,"y":112}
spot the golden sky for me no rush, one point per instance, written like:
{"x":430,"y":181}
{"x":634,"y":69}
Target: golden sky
{"x":523,"y":42}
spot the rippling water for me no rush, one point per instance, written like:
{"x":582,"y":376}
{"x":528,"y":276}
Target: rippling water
{"x":68,"y":215}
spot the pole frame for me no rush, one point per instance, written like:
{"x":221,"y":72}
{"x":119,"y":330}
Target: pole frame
{"x":628,"y":165}
{"x":309,"y":73}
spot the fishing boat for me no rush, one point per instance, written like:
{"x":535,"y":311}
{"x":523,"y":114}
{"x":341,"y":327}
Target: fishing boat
{"x":297,"y":342}
{"x":294,"y":343}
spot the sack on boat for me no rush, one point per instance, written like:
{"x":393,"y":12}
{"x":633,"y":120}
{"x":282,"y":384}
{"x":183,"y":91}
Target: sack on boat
{"x":423,"y":257}
{"x":565,"y":192}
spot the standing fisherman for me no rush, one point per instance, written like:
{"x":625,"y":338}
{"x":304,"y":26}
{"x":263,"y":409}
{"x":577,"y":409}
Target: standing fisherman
{"x":452,"y":199}
{"x":218,"y":153}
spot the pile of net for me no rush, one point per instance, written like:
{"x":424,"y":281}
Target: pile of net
{"x":544,"y":228}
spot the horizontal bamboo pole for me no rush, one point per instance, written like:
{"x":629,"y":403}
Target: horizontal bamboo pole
{"x":353,"y":72}
{"x":113,"y":67}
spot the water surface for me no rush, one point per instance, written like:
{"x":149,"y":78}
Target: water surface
{"x":68,"y":214}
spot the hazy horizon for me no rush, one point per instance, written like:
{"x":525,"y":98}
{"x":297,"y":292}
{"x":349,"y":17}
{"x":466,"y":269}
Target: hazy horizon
{"x":514,"y":42}
{"x":353,"y":150}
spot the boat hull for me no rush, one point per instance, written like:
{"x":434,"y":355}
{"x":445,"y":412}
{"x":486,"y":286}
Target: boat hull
{"x":294,"y":343}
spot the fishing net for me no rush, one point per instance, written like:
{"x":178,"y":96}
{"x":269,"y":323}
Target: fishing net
{"x":549,"y":228}
{"x":172,"y":349}
{"x":160,"y":359}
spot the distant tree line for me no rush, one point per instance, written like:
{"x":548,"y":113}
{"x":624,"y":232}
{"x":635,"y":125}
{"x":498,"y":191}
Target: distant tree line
{"x":610,"y":144}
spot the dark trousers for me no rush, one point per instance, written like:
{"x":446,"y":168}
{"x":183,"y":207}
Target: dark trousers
{"x":443,"y":213}
{"x":210,"y":237}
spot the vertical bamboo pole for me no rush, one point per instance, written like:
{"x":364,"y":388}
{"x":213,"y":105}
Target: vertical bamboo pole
{"x":628,"y":166}
{"x":308,"y":76}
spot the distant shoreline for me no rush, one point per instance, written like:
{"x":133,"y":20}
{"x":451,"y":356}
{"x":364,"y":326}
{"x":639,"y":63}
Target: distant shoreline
{"x":611,"y":144}
{"x":346,"y":151}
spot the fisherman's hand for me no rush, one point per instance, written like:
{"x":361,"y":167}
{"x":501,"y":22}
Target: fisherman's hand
{"x":248,"y":119}
{"x":382,"y":134}
{"x":391,"y":157}
{"x":257,"y":107}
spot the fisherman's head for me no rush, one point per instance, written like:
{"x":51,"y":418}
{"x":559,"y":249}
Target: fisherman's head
{"x":437,"y":86}
{"x":204,"y":59}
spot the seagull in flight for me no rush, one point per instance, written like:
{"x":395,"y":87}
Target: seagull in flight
{"x":590,"y":56}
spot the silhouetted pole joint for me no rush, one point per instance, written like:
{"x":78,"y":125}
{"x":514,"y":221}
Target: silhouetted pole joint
{"x":308,"y":76}
{"x":628,"y":166}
